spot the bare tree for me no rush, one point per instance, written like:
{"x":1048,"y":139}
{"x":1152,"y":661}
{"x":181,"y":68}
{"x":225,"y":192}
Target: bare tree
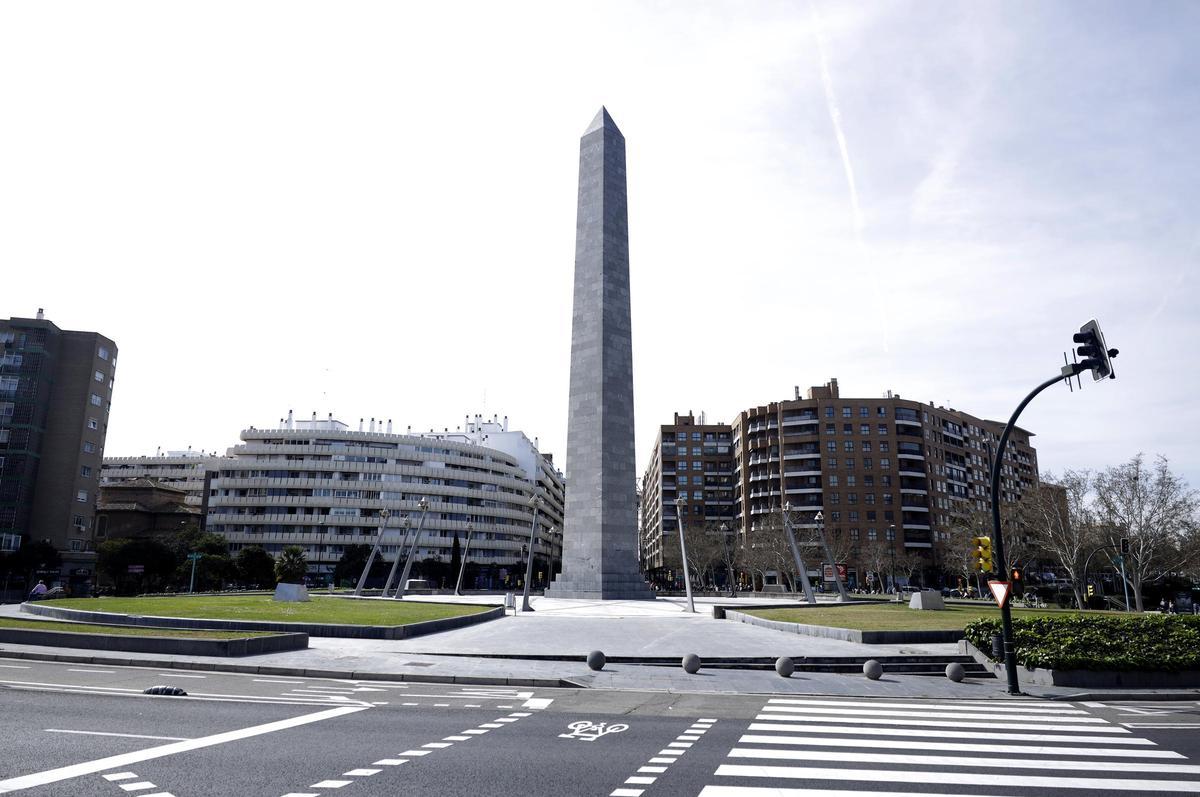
{"x":1060,"y":522}
{"x":876,"y":556}
{"x":705,"y":548}
{"x":767,"y":548}
{"x":1155,"y":510}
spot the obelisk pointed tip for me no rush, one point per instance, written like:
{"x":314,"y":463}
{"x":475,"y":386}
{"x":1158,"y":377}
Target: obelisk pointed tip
{"x":602,"y":121}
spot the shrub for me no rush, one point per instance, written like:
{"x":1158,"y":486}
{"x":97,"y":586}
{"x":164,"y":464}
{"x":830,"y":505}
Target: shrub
{"x":1141,"y":643}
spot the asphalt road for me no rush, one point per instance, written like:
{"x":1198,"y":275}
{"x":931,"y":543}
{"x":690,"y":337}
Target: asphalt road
{"x":84,"y":730}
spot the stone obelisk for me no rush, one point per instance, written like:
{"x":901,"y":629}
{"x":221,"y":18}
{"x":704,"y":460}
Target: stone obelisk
{"x":600,"y":523}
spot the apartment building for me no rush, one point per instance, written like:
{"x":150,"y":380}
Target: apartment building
{"x":180,"y":470}
{"x":692,"y":461}
{"x":887,"y":469}
{"x":322,"y":486}
{"x":55,"y":396}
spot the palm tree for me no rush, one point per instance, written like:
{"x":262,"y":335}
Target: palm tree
{"x":291,"y":565}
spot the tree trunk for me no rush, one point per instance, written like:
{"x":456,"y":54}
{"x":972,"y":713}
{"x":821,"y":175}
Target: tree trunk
{"x":1078,"y":596}
{"x":1135,"y":584}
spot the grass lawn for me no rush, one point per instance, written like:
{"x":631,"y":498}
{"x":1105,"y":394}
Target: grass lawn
{"x":121,"y":630}
{"x":898,"y":617}
{"x":262,"y":607}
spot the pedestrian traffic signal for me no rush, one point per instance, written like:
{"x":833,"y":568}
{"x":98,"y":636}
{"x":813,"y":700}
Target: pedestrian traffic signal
{"x":983,"y":554}
{"x":1016,"y":574}
{"x":1094,"y":353}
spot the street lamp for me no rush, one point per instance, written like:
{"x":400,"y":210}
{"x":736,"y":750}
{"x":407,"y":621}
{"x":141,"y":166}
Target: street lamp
{"x":423,"y":505}
{"x":787,"y":525}
{"x":892,"y":554}
{"x":383,"y":516}
{"x":405,"y":523}
{"x":729,"y":574}
{"x":837,"y":579}
{"x":463,"y":567}
{"x":687,"y":576}
{"x":535,"y":502}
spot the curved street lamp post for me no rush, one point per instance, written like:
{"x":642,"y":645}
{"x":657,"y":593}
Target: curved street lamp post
{"x":463,"y":567}
{"x":687,"y":576}
{"x":800,"y":567}
{"x":406,"y":523}
{"x":362,"y":580}
{"x":536,"y":503}
{"x":837,"y":578}
{"x":423,"y":505}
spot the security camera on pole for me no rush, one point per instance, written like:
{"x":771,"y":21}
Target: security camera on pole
{"x":1097,"y":358}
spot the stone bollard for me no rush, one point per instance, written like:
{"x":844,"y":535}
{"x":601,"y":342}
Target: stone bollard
{"x":595,"y":660}
{"x":785,"y":666}
{"x":955,"y":671}
{"x":691,"y":664}
{"x":872,"y":669}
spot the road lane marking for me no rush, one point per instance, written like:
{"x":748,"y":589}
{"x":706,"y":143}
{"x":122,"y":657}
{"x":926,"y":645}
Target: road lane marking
{"x":389,"y":762}
{"x":959,"y":747}
{"x":125,"y":759}
{"x":537,"y":702}
{"x":123,"y":735}
{"x":760,"y":791}
{"x":1014,"y":726}
{"x":785,"y":701}
{"x":411,"y":753}
{"x":331,"y":784}
{"x":360,"y":773}
{"x":950,"y":761}
{"x":652,"y":769}
{"x":923,"y":733}
{"x":120,"y":776}
{"x":954,"y":778}
{"x":626,"y":792}
{"x":950,"y":715}
{"x":273,"y":681}
{"x":650,"y":774}
{"x":101,"y":672}
{"x":178,"y":675}
{"x":143,"y":786}
{"x":16,"y":666}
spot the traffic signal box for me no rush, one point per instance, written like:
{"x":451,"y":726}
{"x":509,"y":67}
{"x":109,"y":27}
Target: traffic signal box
{"x":983,"y":554}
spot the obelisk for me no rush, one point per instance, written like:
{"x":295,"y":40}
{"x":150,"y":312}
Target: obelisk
{"x":600,"y":522}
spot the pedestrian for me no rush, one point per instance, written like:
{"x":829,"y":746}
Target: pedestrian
{"x":38,"y":590}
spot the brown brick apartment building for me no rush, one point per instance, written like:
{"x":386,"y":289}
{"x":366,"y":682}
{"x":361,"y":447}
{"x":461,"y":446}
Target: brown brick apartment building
{"x":888,"y":469}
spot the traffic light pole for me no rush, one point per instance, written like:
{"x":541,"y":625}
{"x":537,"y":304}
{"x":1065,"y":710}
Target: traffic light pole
{"x":1001,"y":564}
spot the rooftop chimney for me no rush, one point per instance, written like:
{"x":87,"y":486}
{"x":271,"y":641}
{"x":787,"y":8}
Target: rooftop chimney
{"x":41,"y":316}
{"x":389,"y":426}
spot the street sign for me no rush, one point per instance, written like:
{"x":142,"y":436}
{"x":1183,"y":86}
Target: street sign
{"x":827,"y":573}
{"x":195,"y":557}
{"x":1000,"y":591}
{"x":137,"y":568}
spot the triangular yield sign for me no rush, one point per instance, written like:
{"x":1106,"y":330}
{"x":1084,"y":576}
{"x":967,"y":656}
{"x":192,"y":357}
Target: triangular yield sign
{"x":1000,"y":591}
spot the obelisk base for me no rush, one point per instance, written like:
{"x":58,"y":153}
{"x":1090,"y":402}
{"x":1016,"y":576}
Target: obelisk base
{"x":613,"y":586}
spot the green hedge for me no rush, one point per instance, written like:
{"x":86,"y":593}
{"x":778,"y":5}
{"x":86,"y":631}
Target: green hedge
{"x":1138,"y":643}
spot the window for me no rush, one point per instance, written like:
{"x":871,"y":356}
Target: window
{"x":885,"y":463}
{"x":102,"y":353}
{"x":76,"y":545}
{"x":848,"y":445}
{"x":872,"y":534}
{"x":850,"y":464}
{"x":696,"y":436}
{"x":77,"y":521}
{"x":852,"y":498}
{"x":854,"y":534}
{"x":696,"y":451}
{"x":891,"y":533}
{"x":89,"y":448}
{"x":683,"y":464}
{"x":99,"y":377}
{"x":7,"y":408}
{"x":835,"y":498}
{"x":864,"y":428}
{"x":853,"y":516}
{"x":868,"y":481}
{"x":864,"y":412}
{"x":81,"y":496}
{"x":884,"y":447}
{"x":829,"y":412}
{"x":93,"y":423}
{"x":851,"y":480}
{"x":8,"y":384}
{"x":846,"y":412}
{"x":881,"y":428}
{"x":833,"y":480}
{"x":866,"y":446}
{"x":881,"y":412}
{"x":871,"y":512}
{"x":96,"y":400}
{"x":831,"y":445}
{"x":681,"y":436}
{"x":832,"y":461}
{"x":847,"y":428}
{"x":836,"y":516}
{"x":830,"y":428}
{"x":867,"y":462}
{"x":697,"y":465}
{"x":85,"y":472}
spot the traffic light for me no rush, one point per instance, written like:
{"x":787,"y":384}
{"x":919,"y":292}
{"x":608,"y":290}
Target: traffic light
{"x":1016,"y":574}
{"x":1094,"y":353}
{"x":1124,"y":546}
{"x":983,"y":554}
{"x":1091,"y":590}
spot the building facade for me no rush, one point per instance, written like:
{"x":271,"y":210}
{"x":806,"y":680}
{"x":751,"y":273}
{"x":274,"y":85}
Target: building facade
{"x":887,"y":472}
{"x":321,"y":486}
{"x":692,"y":460}
{"x":181,"y":470}
{"x":55,"y":397}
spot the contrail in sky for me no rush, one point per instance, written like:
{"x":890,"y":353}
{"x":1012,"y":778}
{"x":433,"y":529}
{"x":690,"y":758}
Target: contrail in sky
{"x":835,"y":115}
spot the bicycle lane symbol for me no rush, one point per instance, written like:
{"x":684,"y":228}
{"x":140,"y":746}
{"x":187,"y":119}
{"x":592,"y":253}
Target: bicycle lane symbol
{"x":586,"y":731}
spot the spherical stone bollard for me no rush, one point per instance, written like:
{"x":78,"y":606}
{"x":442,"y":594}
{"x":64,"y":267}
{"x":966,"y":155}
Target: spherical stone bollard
{"x":955,"y":671}
{"x":595,"y":660}
{"x":872,"y":669}
{"x":691,"y":664}
{"x":785,"y":666}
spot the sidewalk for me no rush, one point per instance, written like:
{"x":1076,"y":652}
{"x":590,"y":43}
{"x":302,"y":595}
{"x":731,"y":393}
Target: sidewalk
{"x":572,"y":628}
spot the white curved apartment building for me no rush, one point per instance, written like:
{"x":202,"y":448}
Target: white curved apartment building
{"x":319,"y":485}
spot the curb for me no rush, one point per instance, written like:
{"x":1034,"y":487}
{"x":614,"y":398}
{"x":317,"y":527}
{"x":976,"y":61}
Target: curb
{"x":845,"y":634}
{"x":296,"y":672}
{"x":338,"y":630}
{"x":246,"y":646}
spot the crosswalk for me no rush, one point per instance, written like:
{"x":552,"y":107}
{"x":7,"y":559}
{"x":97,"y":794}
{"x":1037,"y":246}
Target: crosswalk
{"x":815,"y":747}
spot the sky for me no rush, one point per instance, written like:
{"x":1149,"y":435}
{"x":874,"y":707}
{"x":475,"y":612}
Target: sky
{"x":369,"y":209}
